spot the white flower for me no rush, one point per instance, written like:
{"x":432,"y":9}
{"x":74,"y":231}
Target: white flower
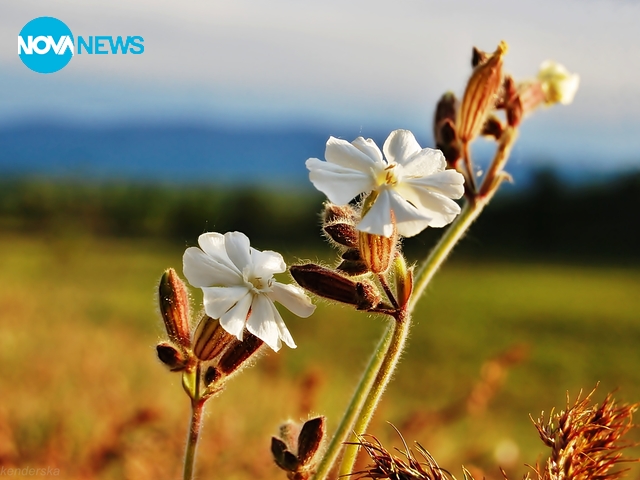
{"x":557,"y":83}
{"x":239,"y":288}
{"x":411,"y":182}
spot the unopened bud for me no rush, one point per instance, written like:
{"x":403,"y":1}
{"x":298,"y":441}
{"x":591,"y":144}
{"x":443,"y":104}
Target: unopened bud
{"x":338,"y":213}
{"x":172,"y":357}
{"x":403,"y":280}
{"x":210,"y":339}
{"x":352,"y":263}
{"x":330,"y":284}
{"x":480,"y":95}
{"x":378,"y":251}
{"x":310,"y":439}
{"x":174,"y":306}
{"x":238,"y":353}
{"x":492,"y":128}
{"x":367,"y":296}
{"x":344,"y":234}
{"x":478,"y":57}
{"x":444,"y":128}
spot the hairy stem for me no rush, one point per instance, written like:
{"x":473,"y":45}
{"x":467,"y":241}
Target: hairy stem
{"x":197,"y":407}
{"x":388,"y":366}
{"x":355,"y":406}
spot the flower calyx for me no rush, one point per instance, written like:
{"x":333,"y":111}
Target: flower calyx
{"x":296,"y":449}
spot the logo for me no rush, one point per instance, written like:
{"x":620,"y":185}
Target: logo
{"x":46,"y":45}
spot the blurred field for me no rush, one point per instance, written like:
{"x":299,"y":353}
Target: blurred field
{"x":82,"y":391}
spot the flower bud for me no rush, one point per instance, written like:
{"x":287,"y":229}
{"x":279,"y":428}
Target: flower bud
{"x":558,"y":85}
{"x":338,"y":213}
{"x":172,"y":357}
{"x":174,"y":306}
{"x":378,"y":251}
{"x":344,"y":234}
{"x":480,"y":95}
{"x":210,"y":339}
{"x":330,"y":284}
{"x":286,"y":460}
{"x":238,"y":353}
{"x":211,"y":375}
{"x":444,"y":128}
{"x":492,"y":128}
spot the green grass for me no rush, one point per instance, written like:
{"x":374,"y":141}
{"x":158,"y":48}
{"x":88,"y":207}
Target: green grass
{"x":81,"y":388}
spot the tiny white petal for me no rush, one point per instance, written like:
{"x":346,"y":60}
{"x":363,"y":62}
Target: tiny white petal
{"x":400,"y":146}
{"x":262,"y":322}
{"x":235,"y":319}
{"x":293,"y":298}
{"x":218,"y":300}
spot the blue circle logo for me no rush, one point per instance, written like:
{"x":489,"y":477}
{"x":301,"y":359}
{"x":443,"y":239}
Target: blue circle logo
{"x":45,"y":45}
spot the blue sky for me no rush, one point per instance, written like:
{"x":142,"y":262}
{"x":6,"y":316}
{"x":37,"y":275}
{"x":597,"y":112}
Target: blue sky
{"x":344,"y":64}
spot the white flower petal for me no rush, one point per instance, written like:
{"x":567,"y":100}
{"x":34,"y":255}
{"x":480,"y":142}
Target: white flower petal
{"x":218,"y":300}
{"x":409,"y":220}
{"x":234,"y":320}
{"x":441,"y":209}
{"x":213,"y":244}
{"x":203,"y":271}
{"x":377,"y":221}
{"x":267,"y":263}
{"x":262,"y":322}
{"x":400,"y":146}
{"x":339,"y":184}
{"x":425,"y":162}
{"x":237,"y":247}
{"x":293,"y":298}
{"x":340,"y":152}
{"x":449,"y":183}
{"x":369,"y":148}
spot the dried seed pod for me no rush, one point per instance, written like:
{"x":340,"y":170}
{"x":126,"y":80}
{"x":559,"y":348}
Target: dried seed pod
{"x":344,"y":234}
{"x":338,"y":213}
{"x":325,"y":283}
{"x":174,"y":306}
{"x":480,"y":95}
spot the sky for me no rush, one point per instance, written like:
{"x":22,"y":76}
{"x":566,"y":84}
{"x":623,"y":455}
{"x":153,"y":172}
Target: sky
{"x":338,"y":64}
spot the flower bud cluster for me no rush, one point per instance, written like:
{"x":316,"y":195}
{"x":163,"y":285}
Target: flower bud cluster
{"x":489,"y":90}
{"x":366,"y":260}
{"x":208,"y":349}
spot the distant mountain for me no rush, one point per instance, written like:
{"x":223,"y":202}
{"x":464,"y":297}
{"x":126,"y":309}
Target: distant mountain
{"x":187,"y":153}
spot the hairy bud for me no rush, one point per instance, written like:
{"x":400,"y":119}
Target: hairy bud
{"x":174,"y":306}
{"x":238,"y":353}
{"x":444,"y":128}
{"x":171,"y":356}
{"x":378,"y":251}
{"x":295,"y":451}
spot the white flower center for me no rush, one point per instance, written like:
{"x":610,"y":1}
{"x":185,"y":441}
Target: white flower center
{"x":389,"y":176}
{"x":257,"y":284}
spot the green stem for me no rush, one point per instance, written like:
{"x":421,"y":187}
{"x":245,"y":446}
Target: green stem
{"x":197,"y":407}
{"x":388,"y":366}
{"x":353,"y":410}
